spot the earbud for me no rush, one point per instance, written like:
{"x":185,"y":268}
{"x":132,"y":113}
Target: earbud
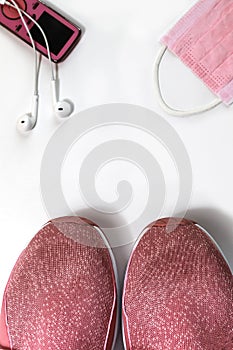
{"x":64,"y":108}
{"x":28,"y":121}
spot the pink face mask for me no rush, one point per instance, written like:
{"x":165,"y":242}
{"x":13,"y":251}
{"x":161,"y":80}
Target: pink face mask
{"x":203,"y":40}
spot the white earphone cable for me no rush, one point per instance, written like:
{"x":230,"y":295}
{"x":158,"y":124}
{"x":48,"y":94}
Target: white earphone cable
{"x":41,"y":30}
{"x":37,"y":64}
{"x":162,"y":102}
{"x":62,"y":108}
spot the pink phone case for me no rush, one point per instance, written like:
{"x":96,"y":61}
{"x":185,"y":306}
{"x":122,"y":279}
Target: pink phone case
{"x":9,"y":18}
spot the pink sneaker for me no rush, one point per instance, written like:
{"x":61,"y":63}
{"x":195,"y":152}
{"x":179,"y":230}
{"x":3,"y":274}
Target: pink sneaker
{"x":178,"y":291}
{"x":62,"y":292}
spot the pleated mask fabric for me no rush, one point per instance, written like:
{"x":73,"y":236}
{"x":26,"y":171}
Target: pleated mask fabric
{"x":203,"y":40}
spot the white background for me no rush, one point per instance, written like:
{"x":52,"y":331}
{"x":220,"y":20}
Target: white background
{"x":112,"y":63}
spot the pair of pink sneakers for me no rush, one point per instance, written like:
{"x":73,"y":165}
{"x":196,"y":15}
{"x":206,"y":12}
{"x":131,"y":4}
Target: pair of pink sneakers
{"x":63,"y":292}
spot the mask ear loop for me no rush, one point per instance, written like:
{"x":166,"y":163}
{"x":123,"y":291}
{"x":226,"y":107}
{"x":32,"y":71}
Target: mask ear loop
{"x":162,"y":102}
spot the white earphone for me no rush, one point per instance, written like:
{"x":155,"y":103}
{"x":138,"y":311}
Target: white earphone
{"x":62,"y":109}
{"x":28,"y":121}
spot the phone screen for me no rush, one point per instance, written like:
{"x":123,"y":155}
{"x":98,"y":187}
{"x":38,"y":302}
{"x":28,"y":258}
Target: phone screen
{"x":56,"y":32}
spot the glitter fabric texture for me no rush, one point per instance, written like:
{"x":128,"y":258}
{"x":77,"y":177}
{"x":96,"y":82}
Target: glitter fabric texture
{"x":178,"y":292}
{"x":61,"y":294}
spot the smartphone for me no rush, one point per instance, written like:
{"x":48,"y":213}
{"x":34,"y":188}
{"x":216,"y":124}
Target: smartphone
{"x":62,"y":35}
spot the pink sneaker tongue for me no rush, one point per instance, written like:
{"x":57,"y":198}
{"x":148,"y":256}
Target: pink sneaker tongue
{"x":178,"y":292}
{"x":61,"y":292}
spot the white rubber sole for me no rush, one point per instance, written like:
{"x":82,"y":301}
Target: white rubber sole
{"x":117,"y":282}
